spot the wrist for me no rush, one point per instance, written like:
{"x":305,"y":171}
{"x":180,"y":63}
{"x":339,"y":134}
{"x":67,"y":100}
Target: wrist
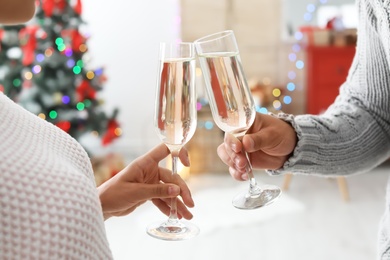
{"x":106,"y":216}
{"x":101,"y":190}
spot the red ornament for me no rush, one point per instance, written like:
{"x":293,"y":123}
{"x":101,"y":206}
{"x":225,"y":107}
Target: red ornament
{"x":75,"y":38}
{"x":85,"y":91}
{"x":64,"y":125}
{"x":111,"y":133}
{"x":78,"y":8}
{"x":28,"y":34}
{"x":102,"y":78}
{"x":48,"y":6}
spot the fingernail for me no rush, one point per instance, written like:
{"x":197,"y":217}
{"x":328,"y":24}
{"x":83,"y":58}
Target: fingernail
{"x":188,"y":163}
{"x":234,"y":147}
{"x":173,"y":190}
{"x":251,"y":143}
{"x":236,"y":161}
{"x":186,"y":160}
{"x":244,"y":177}
{"x":229,"y":140}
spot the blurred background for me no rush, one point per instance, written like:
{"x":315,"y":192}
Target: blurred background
{"x":90,"y":67}
{"x":283,"y":44}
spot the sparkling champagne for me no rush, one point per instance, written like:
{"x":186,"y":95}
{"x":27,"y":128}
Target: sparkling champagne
{"x":230,"y":99}
{"x":176,"y":113}
{"x":232,"y":105}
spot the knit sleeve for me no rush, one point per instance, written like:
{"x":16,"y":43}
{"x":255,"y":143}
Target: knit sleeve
{"x":49,"y":206}
{"x":353,"y":135}
{"x":383,"y":9}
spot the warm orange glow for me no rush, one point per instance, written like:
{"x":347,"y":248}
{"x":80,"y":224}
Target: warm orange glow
{"x":83,"y":48}
{"x":28,"y":75}
{"x":41,"y":115}
{"x":118,"y":131}
{"x":183,"y":171}
{"x":48,"y":52}
{"x":90,"y":75}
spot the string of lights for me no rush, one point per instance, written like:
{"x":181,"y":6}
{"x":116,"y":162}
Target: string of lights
{"x":297,"y":64}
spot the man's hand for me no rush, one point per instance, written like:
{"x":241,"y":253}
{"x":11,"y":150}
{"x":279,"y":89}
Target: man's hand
{"x":269,"y":143}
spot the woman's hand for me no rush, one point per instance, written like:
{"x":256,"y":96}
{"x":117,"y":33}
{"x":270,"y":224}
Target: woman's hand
{"x":16,"y":11}
{"x":144,"y":180}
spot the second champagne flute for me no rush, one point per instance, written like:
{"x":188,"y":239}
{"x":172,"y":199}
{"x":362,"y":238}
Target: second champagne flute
{"x":175,"y":121}
{"x":232,"y":104}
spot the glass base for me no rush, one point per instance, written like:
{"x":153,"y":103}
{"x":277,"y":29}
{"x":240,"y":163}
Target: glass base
{"x":265,"y":195}
{"x":173,"y":230}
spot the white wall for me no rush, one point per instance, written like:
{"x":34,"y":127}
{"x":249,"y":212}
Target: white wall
{"x":125,"y":38}
{"x":294,"y":11}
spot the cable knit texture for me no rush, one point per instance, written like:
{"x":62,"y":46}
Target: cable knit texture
{"x":353,"y":135}
{"x":49,"y":206}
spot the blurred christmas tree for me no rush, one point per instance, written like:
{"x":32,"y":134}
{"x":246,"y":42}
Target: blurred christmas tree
{"x":43,"y":67}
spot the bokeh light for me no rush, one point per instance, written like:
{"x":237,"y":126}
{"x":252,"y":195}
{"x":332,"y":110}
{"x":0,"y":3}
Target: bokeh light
{"x":65,"y":99}
{"x":209,"y":125}
{"x":287,"y":100}
{"x":291,"y":86}
{"x":276,"y":92}
{"x":277,"y":104}
{"x":80,"y":106}
{"x":36,"y":69}
{"x":53,"y":114}
{"x":300,"y":64}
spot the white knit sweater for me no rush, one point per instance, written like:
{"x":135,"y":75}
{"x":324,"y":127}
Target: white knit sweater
{"x":49,"y":207}
{"x":353,"y":136}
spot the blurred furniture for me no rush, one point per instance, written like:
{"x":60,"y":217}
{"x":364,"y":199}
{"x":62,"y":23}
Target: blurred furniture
{"x":327,"y":68}
{"x":105,"y":167}
{"x":203,"y":145}
{"x":341,"y":181}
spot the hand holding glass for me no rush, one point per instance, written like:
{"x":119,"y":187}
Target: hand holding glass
{"x":175,"y":121}
{"x":232,"y":104}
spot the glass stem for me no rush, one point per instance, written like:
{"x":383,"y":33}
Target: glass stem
{"x":173,"y":214}
{"x":254,"y":189}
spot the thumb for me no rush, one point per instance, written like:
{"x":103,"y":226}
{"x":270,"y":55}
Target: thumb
{"x":271,"y":135}
{"x":263,"y":133}
{"x":255,"y":142}
{"x":270,"y":141}
{"x":158,"y":153}
{"x":153,"y":191}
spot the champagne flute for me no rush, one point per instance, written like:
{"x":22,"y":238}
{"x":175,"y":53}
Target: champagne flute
{"x":175,"y":122}
{"x":232,"y":104}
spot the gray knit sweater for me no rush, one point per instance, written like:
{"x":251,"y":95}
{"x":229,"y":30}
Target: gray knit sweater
{"x":353,"y":135}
